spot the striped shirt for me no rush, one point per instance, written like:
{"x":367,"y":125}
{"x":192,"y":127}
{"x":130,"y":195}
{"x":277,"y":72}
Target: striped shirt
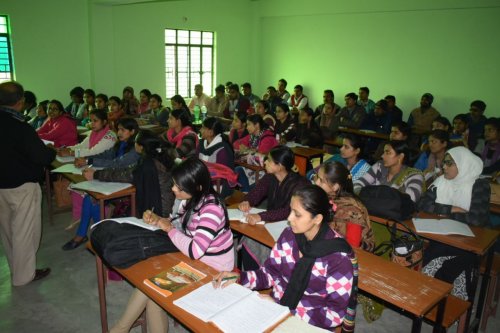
{"x":205,"y":237}
{"x":411,"y":184}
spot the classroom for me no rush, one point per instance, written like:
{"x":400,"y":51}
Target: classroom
{"x":444,"y":52}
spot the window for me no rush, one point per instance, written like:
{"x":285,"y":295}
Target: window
{"x":189,"y":60}
{"x":6,"y":68}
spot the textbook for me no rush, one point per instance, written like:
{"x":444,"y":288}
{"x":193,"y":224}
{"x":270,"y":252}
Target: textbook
{"x":442,"y":227}
{"x":233,"y":309}
{"x":105,"y":188}
{"x":130,"y":220}
{"x":174,"y":279}
{"x":238,"y":215}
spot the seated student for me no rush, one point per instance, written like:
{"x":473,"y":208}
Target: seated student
{"x":491,"y":151}
{"x":82,"y":117}
{"x":458,"y":194}
{"x":308,"y":131}
{"x":421,"y":118}
{"x":213,"y":146}
{"x":440,"y":123}
{"x":101,"y":101}
{"x":277,"y":187}
{"x":41,"y":115}
{"x":297,"y":101}
{"x":203,"y":233}
{"x":144,"y":98}
{"x":100,"y":139}
{"x":122,"y":154}
{"x":303,"y":249}
{"x":151,"y":177}
{"x":116,"y":111}
{"x":328,"y":98}
{"x":246,"y":90}
{"x":260,"y":139}
{"x":352,"y":114}
{"x":460,"y":130}
{"x":59,"y":128}
{"x":236,"y":102}
{"x":199,"y":98}
{"x":218,"y":103}
{"x":351,"y":155}
{"x":400,"y":131}
{"x":351,"y":219}
{"x":178,"y":103}
{"x":393,"y":110}
{"x":76,"y":104}
{"x":393,"y":171}
{"x":282,"y":92}
{"x":157,"y":113}
{"x":476,"y":120}
{"x":285,"y":128}
{"x":130,"y":102}
{"x":431,"y":162}
{"x":30,"y":106}
{"x":258,"y":143}
{"x":181,"y":134}
{"x":272,"y":98}
{"x":378,"y":119}
{"x":328,"y":123}
{"x":364,"y":101}
{"x":238,"y":127}
{"x":262,"y":109}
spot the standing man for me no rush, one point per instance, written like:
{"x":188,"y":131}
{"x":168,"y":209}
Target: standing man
{"x":20,"y":193}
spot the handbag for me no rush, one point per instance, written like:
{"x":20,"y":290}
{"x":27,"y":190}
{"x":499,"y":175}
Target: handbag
{"x":61,"y":192}
{"x":122,"y":245}
{"x":406,"y":249}
{"x":388,"y":202}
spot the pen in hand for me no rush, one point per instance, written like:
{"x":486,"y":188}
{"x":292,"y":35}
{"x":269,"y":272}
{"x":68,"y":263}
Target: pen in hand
{"x":234,"y":277}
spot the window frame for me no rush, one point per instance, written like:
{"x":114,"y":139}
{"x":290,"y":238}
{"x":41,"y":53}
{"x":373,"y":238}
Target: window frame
{"x":10,"y":57}
{"x":189,"y":46}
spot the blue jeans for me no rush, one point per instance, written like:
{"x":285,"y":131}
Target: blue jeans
{"x":89,"y":211}
{"x":242,"y":179}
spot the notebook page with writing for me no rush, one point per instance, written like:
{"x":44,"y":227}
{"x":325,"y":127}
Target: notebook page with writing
{"x":205,"y":301}
{"x":238,"y":215}
{"x":251,"y":314}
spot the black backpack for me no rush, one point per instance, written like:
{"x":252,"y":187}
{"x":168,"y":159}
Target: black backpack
{"x":122,"y":245}
{"x":385,"y":201}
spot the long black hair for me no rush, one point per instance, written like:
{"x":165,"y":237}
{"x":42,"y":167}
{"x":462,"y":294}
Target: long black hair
{"x":156,"y":148}
{"x":337,"y":173}
{"x":315,"y":200}
{"x":129,"y":124}
{"x":192,"y":176}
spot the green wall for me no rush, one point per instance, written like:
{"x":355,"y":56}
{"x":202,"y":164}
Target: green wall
{"x":448,"y":48}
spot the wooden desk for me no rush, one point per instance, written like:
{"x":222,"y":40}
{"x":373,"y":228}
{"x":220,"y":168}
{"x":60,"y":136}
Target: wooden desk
{"x":337,"y":142}
{"x":305,"y":154}
{"x":253,"y":167}
{"x":495,"y":198}
{"x":404,"y":288}
{"x":130,"y":191}
{"x":365,"y":133}
{"x":481,"y":245}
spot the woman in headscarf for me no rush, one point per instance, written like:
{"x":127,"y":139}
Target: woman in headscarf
{"x":460,"y":195}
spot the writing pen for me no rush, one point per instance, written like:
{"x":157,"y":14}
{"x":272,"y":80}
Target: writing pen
{"x":234,"y":277}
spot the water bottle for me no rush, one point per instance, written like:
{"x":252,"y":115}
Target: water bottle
{"x":196,"y":113}
{"x":203,"y":113}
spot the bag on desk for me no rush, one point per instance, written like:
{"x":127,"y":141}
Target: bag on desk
{"x":122,"y":245}
{"x":61,"y":192}
{"x":388,"y":202}
{"x":406,"y":250}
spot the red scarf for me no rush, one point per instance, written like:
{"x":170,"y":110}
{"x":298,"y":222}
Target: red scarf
{"x":176,"y":139}
{"x":95,"y":137}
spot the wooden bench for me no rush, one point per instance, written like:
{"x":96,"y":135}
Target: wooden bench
{"x":455,"y":310}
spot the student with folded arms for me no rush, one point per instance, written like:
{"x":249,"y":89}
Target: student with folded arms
{"x":310,"y":268}
{"x":203,"y":234}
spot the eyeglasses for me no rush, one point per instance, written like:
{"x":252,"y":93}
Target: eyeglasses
{"x":448,"y":163}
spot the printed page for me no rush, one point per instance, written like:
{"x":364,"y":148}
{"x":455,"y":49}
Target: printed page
{"x":276,"y":228}
{"x":68,"y":168}
{"x":130,"y":220}
{"x":206,"y":301}
{"x":251,"y":314}
{"x":105,"y":188}
{"x":442,"y":227}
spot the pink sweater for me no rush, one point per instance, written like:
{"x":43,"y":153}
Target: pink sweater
{"x":205,"y":238}
{"x":266,"y":143}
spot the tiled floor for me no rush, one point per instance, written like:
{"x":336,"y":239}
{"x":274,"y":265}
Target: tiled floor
{"x":66,"y":301}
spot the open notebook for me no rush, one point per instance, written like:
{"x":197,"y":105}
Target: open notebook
{"x":238,"y":215}
{"x":442,"y":227}
{"x":105,"y":188}
{"x":232,"y":309}
{"x":129,"y":220}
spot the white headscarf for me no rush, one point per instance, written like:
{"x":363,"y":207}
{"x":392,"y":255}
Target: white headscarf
{"x":458,"y":191}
